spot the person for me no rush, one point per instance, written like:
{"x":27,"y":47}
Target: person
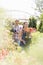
{"x":16,"y":30}
{"x":25,"y":34}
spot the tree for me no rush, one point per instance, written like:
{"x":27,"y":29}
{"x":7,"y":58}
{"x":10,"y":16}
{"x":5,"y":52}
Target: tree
{"x":41,"y":23}
{"x":39,"y":5}
{"x":32,"y":22}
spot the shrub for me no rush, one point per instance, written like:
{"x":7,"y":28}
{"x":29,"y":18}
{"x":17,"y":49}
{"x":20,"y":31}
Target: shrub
{"x":32,"y":22}
{"x":41,"y":23}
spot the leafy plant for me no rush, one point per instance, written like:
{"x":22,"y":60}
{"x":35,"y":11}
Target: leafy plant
{"x":41,"y":23}
{"x":32,"y":22}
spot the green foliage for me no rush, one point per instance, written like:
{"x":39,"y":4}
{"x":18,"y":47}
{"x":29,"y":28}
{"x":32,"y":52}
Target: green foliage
{"x":41,"y":23}
{"x":41,"y":26}
{"x":41,"y":17}
{"x":39,"y":5}
{"x":32,"y":22}
{"x":36,"y":48}
{"x":8,"y":24}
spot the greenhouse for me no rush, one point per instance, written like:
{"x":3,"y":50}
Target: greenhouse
{"x":21,"y":32}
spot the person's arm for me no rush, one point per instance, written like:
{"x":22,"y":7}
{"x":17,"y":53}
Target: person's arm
{"x":20,"y":36}
{"x":22,"y":41}
{"x":30,"y":34}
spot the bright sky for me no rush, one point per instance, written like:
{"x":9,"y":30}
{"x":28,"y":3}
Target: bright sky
{"x":22,"y":5}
